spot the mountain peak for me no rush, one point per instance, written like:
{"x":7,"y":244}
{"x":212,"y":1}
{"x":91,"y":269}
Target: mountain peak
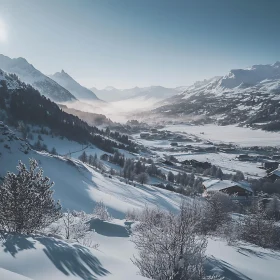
{"x":66,"y":81}
{"x":30,"y":75}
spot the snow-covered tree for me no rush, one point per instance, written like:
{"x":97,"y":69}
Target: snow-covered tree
{"x":143,"y":178}
{"x":23,"y":129}
{"x":258,"y":228}
{"x":273,"y":208}
{"x":53,"y":151}
{"x":238,"y":176}
{"x":216,"y":211}
{"x":75,"y":225}
{"x":100,"y":211}
{"x":170,"y":177}
{"x":26,"y":202}
{"x":83,"y":157}
{"x":169,"y":248}
{"x":128,"y":170}
{"x":132,"y":215}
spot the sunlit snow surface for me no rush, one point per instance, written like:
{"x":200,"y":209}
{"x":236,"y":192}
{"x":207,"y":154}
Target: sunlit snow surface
{"x":230,"y":134}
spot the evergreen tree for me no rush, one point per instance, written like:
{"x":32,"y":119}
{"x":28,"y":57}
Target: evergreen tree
{"x":53,"y":151}
{"x":143,"y":178}
{"x":26,"y":202}
{"x":83,"y":157}
{"x":91,"y":160}
{"x":170,"y":177}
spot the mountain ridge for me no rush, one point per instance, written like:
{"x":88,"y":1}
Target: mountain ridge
{"x":243,"y":96}
{"x":30,"y":75}
{"x":66,"y":81}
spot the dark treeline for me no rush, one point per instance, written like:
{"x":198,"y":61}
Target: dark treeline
{"x":26,"y":104}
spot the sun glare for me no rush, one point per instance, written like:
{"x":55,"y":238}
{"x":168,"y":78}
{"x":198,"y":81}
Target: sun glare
{"x":3,"y":32}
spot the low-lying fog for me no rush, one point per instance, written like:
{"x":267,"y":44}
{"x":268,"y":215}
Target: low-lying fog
{"x":118,"y":111}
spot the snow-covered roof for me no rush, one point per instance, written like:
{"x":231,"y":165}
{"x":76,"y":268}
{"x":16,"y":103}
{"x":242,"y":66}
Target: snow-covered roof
{"x":218,"y":185}
{"x":276,"y":172}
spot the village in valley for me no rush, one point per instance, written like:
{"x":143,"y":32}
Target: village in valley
{"x":240,"y":170}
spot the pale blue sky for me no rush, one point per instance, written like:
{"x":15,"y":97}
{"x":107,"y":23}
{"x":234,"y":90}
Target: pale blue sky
{"x":127,"y":43}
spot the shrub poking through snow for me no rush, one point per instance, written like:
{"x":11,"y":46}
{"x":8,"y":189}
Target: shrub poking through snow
{"x":216,"y":211}
{"x":258,"y":228}
{"x":169,"y":247}
{"x":100,"y":211}
{"x":75,"y":225}
{"x":26,"y":202}
{"x":132,"y":215}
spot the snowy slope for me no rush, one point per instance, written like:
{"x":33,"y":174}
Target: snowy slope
{"x":66,"y":81}
{"x":242,"y":261}
{"x":11,"y":82}
{"x":248,"y":96}
{"x":58,"y":260}
{"x":78,"y":186}
{"x":30,"y":75}
{"x":9,"y":275}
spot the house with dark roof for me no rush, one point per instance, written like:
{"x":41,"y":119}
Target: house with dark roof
{"x":236,"y":189}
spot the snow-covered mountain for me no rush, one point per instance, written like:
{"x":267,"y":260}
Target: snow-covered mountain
{"x":66,"y":81}
{"x":9,"y":81}
{"x":249,"y":96}
{"x":30,"y":75}
{"x":158,"y":93}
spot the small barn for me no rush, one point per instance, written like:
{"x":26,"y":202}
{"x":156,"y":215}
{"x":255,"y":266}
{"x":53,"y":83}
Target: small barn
{"x":239,"y":189}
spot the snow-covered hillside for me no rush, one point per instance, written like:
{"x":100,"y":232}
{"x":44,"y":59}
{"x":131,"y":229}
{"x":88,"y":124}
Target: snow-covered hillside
{"x":10,"y":81}
{"x":66,"y":81}
{"x":56,"y":259}
{"x":30,"y":75}
{"x":77,"y":185}
{"x":80,"y":187}
{"x":249,"y":96}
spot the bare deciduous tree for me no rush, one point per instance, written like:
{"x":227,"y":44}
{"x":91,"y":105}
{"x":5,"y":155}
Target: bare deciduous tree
{"x":169,"y":248}
{"x":75,"y":225}
{"x":100,"y":211}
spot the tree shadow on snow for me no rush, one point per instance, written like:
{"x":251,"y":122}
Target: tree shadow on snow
{"x":248,"y":252}
{"x":14,"y":243}
{"x":108,"y":229}
{"x":76,"y":259}
{"x":70,"y":260}
{"x":223,"y":269}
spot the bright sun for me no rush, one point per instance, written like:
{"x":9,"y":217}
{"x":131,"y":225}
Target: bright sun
{"x":3,"y":32}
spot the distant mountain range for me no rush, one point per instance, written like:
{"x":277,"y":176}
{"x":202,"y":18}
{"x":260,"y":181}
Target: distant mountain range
{"x":246,"y":96}
{"x":111,"y":94}
{"x":30,"y":75}
{"x":61,"y":87}
{"x":66,"y":81}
